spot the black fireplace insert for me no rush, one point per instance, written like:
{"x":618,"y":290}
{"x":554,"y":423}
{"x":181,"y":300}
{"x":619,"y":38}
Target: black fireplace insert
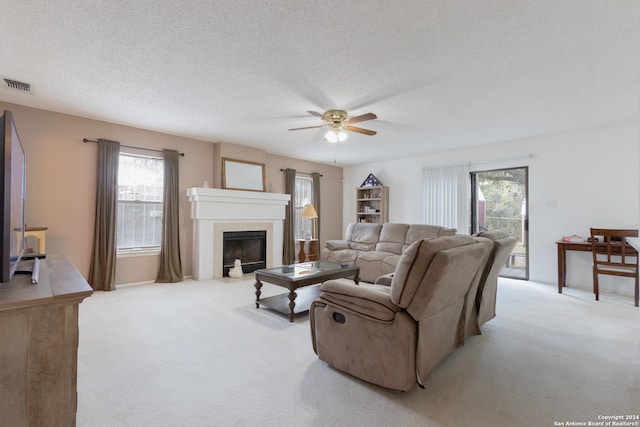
{"x":250,"y":247}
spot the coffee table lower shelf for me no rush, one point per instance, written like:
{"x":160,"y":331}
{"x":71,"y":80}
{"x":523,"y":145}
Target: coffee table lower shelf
{"x":303,"y":299}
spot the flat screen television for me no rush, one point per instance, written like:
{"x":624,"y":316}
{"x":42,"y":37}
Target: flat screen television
{"x":12,"y":197}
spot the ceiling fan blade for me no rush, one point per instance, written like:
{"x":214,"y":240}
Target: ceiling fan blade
{"x":315,"y":113}
{"x":361,"y":118}
{"x":308,"y":127}
{"x":360,"y":130}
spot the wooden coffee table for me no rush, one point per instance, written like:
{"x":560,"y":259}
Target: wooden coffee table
{"x":296,"y":276}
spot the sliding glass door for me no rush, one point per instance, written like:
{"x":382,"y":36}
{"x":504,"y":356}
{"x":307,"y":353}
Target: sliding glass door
{"x":499,"y":202}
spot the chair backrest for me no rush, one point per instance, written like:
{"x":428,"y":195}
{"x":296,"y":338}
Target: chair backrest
{"x":434,"y":272}
{"x":363,"y":236}
{"x":392,"y":237}
{"x":432,"y":282}
{"x":425,"y":231}
{"x":485,"y":299}
{"x":611,"y":251}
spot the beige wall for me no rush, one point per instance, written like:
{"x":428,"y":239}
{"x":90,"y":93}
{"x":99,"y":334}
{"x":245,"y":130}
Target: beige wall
{"x":61,"y":182}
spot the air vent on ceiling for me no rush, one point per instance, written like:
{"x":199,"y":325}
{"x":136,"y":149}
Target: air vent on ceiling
{"x":14,"y":84}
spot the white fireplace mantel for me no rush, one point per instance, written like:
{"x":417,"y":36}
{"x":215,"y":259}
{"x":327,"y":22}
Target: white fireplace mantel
{"x":215,"y":211}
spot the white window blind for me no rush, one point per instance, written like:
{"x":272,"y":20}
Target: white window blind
{"x":446,"y":197}
{"x":140,"y":198}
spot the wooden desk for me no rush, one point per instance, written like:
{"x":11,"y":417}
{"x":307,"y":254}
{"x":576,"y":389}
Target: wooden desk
{"x":563,"y":247}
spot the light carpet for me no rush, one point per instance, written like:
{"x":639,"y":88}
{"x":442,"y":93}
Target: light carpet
{"x":198,"y":353}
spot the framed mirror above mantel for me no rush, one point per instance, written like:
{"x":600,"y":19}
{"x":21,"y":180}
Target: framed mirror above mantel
{"x":243,"y":175}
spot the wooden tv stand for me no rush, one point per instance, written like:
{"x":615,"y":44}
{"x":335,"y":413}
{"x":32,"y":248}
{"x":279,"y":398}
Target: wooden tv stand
{"x":39,"y":345}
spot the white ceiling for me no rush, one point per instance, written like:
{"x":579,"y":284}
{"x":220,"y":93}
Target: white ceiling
{"x":440,"y":74}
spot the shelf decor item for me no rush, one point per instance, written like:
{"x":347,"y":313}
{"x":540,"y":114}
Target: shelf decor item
{"x":371,"y":181}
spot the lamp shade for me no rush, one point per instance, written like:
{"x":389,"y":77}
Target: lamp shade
{"x":309,"y":212}
{"x":335,"y":135}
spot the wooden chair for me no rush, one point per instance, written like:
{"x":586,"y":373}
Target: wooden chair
{"x":612,"y":255}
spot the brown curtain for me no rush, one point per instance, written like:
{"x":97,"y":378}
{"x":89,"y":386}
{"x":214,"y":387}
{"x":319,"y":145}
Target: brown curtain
{"x":316,"y":203}
{"x":170,"y":263}
{"x":289,"y":244}
{"x":103,"y":259}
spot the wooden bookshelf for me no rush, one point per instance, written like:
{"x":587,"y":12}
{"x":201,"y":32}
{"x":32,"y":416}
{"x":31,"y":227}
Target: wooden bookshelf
{"x":372,"y":204}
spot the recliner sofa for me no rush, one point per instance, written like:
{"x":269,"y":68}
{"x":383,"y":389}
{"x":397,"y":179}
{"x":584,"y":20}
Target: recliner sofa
{"x":484,"y":308}
{"x":377,"y":248}
{"x":395,"y":335}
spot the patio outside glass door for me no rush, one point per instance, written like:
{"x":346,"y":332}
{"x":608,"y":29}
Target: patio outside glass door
{"x":499,"y":202}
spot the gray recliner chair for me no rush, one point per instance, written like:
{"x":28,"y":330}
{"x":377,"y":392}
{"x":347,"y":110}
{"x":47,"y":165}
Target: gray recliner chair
{"x":395,"y":335}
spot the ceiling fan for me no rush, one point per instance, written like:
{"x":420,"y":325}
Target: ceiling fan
{"x":338,"y":122}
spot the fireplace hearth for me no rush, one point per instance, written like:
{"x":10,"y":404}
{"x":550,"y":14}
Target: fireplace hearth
{"x":249,"y":247}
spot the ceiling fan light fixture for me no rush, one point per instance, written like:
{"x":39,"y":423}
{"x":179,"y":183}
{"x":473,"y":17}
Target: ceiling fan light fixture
{"x":334,"y":136}
{"x":339,"y":124}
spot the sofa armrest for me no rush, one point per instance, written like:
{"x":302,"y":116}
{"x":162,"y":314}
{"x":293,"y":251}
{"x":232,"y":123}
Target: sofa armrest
{"x":367,"y":300}
{"x":335,"y":245}
{"x":385,"y":279}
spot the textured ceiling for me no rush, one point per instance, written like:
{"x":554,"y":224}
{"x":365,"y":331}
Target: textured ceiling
{"x":440,"y":74}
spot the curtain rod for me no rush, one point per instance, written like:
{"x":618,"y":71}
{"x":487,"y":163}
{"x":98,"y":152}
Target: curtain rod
{"x":85,"y":140}
{"x":482,"y":162}
{"x":306,"y":173}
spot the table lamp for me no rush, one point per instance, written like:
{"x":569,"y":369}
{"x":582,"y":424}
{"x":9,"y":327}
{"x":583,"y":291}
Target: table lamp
{"x":310,"y":212}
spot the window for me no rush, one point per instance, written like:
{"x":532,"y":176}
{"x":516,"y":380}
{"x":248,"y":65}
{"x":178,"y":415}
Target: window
{"x":140,"y":193}
{"x":499,"y":202}
{"x":304,"y":196}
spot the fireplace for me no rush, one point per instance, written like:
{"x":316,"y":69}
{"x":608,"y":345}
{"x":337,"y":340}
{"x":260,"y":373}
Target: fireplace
{"x":215,"y":211}
{"x":250,"y":247}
